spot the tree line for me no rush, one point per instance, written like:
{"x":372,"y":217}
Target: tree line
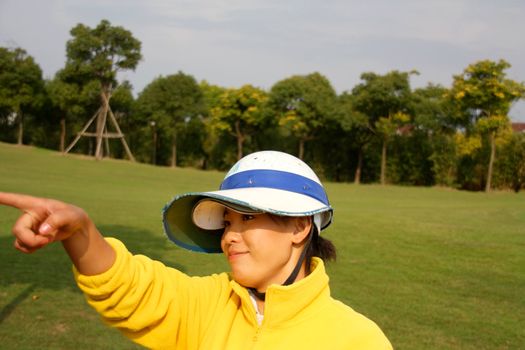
{"x":382,"y":130}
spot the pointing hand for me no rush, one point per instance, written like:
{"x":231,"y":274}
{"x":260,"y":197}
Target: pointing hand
{"x":43,"y":221}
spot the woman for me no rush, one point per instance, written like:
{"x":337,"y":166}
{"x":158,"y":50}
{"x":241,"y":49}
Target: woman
{"x":266,"y":218}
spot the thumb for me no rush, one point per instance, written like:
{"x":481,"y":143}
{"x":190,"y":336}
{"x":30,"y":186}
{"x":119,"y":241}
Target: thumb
{"x":47,"y":229}
{"x":63,"y":222}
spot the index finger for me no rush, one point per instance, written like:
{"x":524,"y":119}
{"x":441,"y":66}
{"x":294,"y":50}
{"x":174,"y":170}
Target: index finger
{"x":17,"y":200}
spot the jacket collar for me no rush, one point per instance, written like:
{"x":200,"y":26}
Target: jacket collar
{"x":285,"y":303}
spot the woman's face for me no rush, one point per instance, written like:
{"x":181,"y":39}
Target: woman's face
{"x":260,"y":248}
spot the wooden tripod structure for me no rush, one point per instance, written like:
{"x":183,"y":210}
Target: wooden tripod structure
{"x":102,"y":133}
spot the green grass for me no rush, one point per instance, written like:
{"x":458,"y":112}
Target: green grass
{"x":435,"y":268}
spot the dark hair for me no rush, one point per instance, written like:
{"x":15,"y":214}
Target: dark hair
{"x":320,"y":247}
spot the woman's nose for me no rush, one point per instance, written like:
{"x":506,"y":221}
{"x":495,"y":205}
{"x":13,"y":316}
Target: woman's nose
{"x":232,"y":232}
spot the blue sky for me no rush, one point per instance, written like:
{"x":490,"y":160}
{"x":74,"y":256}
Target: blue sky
{"x":236,"y":42}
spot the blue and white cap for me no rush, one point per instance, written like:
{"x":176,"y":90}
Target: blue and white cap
{"x":262,"y":182}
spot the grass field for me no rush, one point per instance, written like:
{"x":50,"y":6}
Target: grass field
{"x":435,"y":268}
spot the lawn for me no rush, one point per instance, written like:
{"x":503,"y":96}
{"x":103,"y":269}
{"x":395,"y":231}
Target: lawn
{"x":435,"y":268}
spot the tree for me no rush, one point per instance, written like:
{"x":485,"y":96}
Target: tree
{"x":66,"y":97}
{"x":432,"y":110}
{"x":303,"y":104}
{"x":357,"y":125}
{"x":433,"y":126}
{"x":169,"y":103}
{"x":386,"y":128}
{"x":385,"y":100}
{"x":483,"y":96}
{"x":214,"y":155}
{"x":511,"y":163}
{"x":211,"y":95}
{"x":21,"y":86}
{"x":98,"y":54}
{"x":240,"y":113}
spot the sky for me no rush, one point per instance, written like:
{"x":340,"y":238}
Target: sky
{"x":259,"y":42}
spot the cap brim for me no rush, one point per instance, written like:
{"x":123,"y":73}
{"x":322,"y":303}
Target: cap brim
{"x":181,"y":223}
{"x":208,"y":213}
{"x":181,"y":230}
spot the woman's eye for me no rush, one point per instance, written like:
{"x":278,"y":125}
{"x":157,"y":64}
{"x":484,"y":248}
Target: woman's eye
{"x":225,"y":223}
{"x":247,"y":217}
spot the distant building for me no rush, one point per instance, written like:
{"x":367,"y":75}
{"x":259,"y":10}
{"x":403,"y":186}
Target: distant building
{"x":518,"y":127}
{"x":405,"y":130}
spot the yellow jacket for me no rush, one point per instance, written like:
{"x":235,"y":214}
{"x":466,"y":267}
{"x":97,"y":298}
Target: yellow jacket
{"x":162,"y":308}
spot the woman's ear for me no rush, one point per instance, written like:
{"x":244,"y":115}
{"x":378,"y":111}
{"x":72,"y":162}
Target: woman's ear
{"x":303,"y":226}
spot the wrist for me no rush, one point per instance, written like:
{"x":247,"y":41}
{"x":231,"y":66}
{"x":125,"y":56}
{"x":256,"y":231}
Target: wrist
{"x":89,"y":251}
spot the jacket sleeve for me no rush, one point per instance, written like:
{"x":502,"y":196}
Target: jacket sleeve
{"x":154,"y":305}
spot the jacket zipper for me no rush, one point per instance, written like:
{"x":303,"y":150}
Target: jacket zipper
{"x":256,"y":337}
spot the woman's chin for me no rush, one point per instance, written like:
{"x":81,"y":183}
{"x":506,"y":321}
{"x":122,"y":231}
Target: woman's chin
{"x":244,"y":279}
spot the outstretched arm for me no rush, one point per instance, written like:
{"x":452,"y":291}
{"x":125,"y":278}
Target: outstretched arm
{"x":44,"y":221}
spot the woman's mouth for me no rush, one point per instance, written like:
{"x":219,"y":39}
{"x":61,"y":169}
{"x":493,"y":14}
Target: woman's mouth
{"x":234,"y":255}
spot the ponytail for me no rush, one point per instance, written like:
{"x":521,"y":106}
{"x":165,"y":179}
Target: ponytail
{"x":320,"y":247}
